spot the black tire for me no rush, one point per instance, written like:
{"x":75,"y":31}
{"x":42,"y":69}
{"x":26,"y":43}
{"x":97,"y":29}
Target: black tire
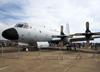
{"x":24,"y":49}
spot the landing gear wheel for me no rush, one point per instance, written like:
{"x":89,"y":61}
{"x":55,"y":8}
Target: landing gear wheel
{"x":75,"y":49}
{"x":67,"y":48}
{"x":70,"y":48}
{"x":25,"y":49}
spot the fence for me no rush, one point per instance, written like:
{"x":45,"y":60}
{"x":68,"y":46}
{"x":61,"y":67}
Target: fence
{"x":49,"y":53}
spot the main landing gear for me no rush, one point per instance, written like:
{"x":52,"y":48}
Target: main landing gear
{"x":25,"y":49}
{"x":69,"y":48}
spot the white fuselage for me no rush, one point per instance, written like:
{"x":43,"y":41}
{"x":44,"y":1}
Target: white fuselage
{"x":33,"y":35}
{"x":30,"y":35}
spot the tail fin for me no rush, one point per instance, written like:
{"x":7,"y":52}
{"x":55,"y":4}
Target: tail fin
{"x":67,"y":31}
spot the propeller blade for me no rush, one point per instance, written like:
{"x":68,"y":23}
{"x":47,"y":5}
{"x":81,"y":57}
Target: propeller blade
{"x":87,"y":25}
{"x":62,"y":33}
{"x":96,"y":33}
{"x":61,"y":44}
{"x":87,"y":43}
{"x":62,"y":28}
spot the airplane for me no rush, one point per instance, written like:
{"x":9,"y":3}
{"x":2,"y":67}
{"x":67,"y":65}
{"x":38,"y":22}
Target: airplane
{"x":25,"y":34}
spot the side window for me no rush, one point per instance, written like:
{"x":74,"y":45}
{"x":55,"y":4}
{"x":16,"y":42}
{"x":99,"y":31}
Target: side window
{"x":26,"y":26}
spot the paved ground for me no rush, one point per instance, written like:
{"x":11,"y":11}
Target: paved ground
{"x":50,"y":61}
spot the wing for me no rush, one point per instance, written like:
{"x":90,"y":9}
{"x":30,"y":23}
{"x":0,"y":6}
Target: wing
{"x":79,"y":39}
{"x":56,"y":39}
{"x":96,"y":33}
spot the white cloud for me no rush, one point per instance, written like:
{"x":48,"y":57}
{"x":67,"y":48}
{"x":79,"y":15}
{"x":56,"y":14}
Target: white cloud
{"x":2,"y":27}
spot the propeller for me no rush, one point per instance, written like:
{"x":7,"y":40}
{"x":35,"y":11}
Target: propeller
{"x":88,"y":34}
{"x":62,"y":36}
{"x":87,"y":43}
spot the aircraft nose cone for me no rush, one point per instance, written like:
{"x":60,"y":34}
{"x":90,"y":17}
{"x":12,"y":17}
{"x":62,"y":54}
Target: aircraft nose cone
{"x":10,"y":34}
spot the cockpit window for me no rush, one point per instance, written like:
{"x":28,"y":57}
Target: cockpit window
{"x":20,"y":25}
{"x":26,"y":26}
{"x":23,"y":25}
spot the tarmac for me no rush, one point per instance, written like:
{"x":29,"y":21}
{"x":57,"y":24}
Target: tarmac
{"x":49,"y":60}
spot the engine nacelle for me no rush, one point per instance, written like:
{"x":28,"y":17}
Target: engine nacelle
{"x":42,"y":44}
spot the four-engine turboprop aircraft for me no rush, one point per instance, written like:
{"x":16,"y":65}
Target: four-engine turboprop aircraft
{"x":41,"y":37}
{"x":28,"y":35}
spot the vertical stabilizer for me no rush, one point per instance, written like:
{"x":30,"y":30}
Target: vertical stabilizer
{"x":67,"y":31}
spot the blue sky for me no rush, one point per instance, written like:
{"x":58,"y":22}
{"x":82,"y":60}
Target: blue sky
{"x":51,"y":13}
